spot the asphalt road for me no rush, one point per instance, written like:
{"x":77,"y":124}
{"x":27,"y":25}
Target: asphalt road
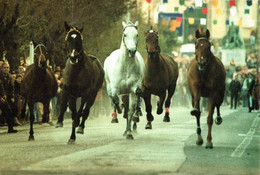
{"x":169,"y":148}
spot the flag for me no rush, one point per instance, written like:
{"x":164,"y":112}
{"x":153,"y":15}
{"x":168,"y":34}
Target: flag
{"x":165,"y":1}
{"x":181,"y":2}
{"x":204,"y":10}
{"x":249,"y":2}
{"x":232,"y":3}
{"x":191,"y":20}
{"x":198,"y":3}
{"x":215,"y":21}
{"x":203,"y":21}
{"x":215,"y":3}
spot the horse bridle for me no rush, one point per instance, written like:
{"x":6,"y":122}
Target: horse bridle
{"x":74,"y":29}
{"x":157,"y":47}
{"x":124,"y":36}
{"x":208,"y":61}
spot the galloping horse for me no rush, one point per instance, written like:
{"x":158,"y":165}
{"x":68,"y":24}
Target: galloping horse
{"x":39,"y":84}
{"x":206,"y":78}
{"x":124,"y":72}
{"x":161,"y":74}
{"x":83,"y":77}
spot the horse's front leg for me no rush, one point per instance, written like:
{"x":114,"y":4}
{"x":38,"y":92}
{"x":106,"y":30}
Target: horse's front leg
{"x":75,"y":119}
{"x":196,"y":112}
{"x":148,"y":108}
{"x":132,"y":105}
{"x":160,"y":103}
{"x":31,"y":107}
{"x":211,"y":108}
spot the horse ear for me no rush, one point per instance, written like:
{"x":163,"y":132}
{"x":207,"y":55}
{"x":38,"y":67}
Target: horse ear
{"x":81,"y":29}
{"x":124,"y":24}
{"x":197,"y":34}
{"x":67,"y":27}
{"x":207,"y":34}
{"x":136,"y":24}
{"x":34,"y":43}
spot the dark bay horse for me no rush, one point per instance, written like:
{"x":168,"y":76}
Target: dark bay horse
{"x":161,"y":74}
{"x":206,"y":78}
{"x":83,"y":77}
{"x":39,"y":84}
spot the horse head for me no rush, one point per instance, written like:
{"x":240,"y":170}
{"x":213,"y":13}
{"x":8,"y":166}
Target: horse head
{"x":40,"y":54}
{"x":130,"y":37}
{"x":73,"y":40}
{"x":152,"y":45}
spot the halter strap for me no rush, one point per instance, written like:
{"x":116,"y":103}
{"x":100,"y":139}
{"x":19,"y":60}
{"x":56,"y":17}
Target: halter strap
{"x":39,"y":45}
{"x":203,"y":38}
{"x":71,"y":30}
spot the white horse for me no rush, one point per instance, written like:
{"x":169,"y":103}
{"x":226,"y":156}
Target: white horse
{"x":124,"y":72}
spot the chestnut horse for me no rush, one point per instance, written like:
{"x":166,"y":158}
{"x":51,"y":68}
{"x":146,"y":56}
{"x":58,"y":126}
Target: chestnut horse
{"x":161,"y":74}
{"x":83,"y":77}
{"x":39,"y":85}
{"x":206,"y":78}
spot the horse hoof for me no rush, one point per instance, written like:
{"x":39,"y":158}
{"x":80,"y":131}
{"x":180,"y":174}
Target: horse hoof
{"x":199,"y":141}
{"x":218,"y":120}
{"x":135,"y":119}
{"x":159,"y":111}
{"x":148,"y":126}
{"x":31,"y":138}
{"x":209,"y":145}
{"x":114,"y":120}
{"x":129,"y":137}
{"x":71,"y":142}
{"x":59,"y":125}
{"x":119,"y":110}
{"x":166,"y":118}
{"x":80,"y":130}
{"x":195,"y":112}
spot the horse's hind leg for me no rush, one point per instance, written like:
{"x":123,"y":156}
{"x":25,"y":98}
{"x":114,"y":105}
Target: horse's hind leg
{"x":46,"y":112}
{"x":31,"y":106}
{"x":85,"y":114}
{"x":171,"y":91}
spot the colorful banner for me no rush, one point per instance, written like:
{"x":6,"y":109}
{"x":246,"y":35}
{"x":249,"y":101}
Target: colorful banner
{"x":175,"y":21}
{"x":215,"y":3}
{"x":232,"y":3}
{"x":204,"y":11}
{"x":191,"y":20}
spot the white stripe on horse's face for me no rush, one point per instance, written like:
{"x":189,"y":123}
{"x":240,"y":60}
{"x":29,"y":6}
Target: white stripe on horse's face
{"x":72,"y":53}
{"x":73,"y":36}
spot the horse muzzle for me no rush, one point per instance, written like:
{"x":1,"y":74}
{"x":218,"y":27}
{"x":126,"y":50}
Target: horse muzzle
{"x":131,"y":53}
{"x":74,"y":60}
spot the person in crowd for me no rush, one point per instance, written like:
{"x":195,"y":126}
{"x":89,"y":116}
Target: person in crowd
{"x":249,"y":86}
{"x":17,"y":96}
{"x":255,"y":94}
{"x":244,"y":92}
{"x":234,"y":88}
{"x":7,"y":96}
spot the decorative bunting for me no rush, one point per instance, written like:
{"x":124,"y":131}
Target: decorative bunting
{"x":165,"y":1}
{"x":182,"y":2}
{"x":203,"y":21}
{"x":215,"y":3}
{"x":239,"y":22}
{"x":218,"y":11}
{"x":176,"y":9}
{"x":246,"y":11}
{"x":249,"y":2}
{"x":191,"y":10}
{"x":205,"y":10}
{"x":148,"y":1}
{"x":191,"y":20}
{"x":227,"y":22}
{"x":198,"y":3}
{"x":232,"y":3}
{"x":215,"y":21}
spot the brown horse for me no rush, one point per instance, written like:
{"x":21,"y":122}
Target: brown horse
{"x":39,"y":85}
{"x":83,"y":77}
{"x":161,"y":74}
{"x":206,"y":78}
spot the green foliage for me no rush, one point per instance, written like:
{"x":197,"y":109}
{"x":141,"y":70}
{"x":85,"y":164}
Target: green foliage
{"x":167,"y":40}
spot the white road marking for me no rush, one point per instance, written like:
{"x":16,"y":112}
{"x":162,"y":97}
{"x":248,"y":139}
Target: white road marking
{"x":240,"y":149}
